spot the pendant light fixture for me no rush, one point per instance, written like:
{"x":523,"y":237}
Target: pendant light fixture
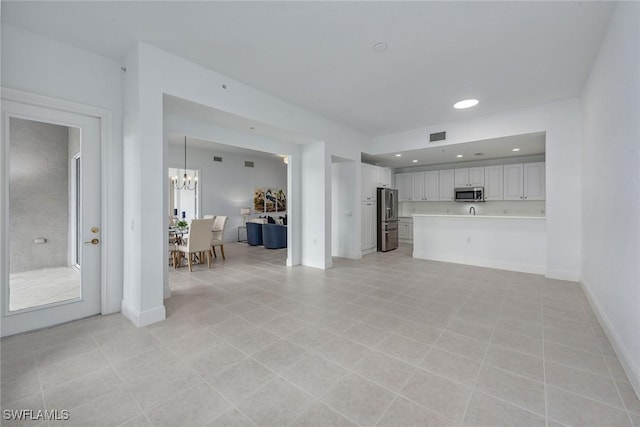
{"x":186,"y":180}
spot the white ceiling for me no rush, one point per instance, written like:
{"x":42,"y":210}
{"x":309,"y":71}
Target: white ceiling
{"x":318,"y":55}
{"x":488,"y":149}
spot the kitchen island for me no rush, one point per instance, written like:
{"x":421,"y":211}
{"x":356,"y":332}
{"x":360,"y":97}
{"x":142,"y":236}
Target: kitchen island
{"x":516,"y":243}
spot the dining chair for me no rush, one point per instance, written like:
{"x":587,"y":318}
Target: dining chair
{"x":217,"y":234}
{"x":199,"y":241}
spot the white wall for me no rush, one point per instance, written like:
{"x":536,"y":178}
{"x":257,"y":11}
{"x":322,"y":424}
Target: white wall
{"x":153,"y":73}
{"x":561,"y":121}
{"x":343,"y":202}
{"x":227,"y":186}
{"x":611,"y":183}
{"x":45,"y":67}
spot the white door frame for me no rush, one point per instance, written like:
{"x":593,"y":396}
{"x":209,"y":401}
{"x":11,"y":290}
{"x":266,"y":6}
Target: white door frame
{"x":105,"y":118}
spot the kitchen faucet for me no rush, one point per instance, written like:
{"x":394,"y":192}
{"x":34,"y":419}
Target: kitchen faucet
{"x":472,"y":209}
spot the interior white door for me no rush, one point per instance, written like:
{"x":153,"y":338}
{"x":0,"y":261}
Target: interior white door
{"x":88,"y":223}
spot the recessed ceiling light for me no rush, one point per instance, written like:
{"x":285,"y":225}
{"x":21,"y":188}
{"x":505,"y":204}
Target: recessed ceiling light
{"x":459,"y":155}
{"x":465,"y":103}
{"x":380,"y":47}
{"x":515,"y":149}
{"x":398,"y":155}
{"x":414,"y":161}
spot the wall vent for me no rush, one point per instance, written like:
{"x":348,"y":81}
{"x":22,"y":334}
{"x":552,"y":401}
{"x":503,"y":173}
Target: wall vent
{"x":438,"y":136}
{"x":217,"y":159}
{"x":248,"y":164}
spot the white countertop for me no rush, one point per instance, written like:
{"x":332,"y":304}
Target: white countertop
{"x":479,"y":216}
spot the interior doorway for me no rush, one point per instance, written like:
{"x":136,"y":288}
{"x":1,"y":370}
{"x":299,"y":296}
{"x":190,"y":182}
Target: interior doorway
{"x":237,"y":183}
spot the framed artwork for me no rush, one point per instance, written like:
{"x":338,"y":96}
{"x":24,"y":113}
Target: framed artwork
{"x":258,"y":200}
{"x":269,"y":200}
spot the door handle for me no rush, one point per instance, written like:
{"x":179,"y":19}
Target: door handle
{"x":93,"y":241}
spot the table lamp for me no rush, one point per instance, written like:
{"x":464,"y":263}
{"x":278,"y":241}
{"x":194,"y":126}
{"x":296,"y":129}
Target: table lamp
{"x":245,"y":212}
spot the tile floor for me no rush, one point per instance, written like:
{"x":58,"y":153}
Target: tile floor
{"x":383,"y":341}
{"x":44,"y":286}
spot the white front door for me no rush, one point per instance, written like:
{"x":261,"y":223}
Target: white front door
{"x":50,"y":230}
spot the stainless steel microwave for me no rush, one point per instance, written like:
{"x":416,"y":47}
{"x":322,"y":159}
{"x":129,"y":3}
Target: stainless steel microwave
{"x":469,"y":194}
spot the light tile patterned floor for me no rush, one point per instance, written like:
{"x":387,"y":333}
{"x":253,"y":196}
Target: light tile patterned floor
{"x":386,"y":340}
{"x":44,"y":286}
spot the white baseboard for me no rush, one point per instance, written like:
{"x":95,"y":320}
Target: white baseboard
{"x":570,"y":276}
{"x":629,"y":365}
{"x":348,"y":255}
{"x":500,"y":265}
{"x":144,"y":318}
{"x":368,"y":251}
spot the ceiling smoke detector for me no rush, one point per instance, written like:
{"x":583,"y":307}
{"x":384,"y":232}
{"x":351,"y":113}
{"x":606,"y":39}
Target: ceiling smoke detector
{"x":380,"y":47}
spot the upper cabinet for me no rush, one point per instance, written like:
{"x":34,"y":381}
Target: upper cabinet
{"x":404,"y":185}
{"x":383,"y":177}
{"x":372,"y":178}
{"x":469,"y":177}
{"x":424,"y":186}
{"x":534,"y":181}
{"x":493,"y":183}
{"x":445,"y":184}
{"x":524,"y":181}
{"x":513,"y":182}
{"x":501,"y":182}
{"x":432,"y":185}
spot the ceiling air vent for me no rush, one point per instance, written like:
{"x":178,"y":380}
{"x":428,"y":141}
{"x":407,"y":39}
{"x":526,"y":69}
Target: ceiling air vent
{"x":439,"y":136}
{"x":248,"y":164}
{"x":217,"y":159}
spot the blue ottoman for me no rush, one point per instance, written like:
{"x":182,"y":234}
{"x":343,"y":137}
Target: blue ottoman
{"x":254,"y":233}
{"x":274,"y":236}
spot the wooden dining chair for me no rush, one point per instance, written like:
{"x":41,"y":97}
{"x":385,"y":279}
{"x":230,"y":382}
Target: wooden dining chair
{"x":199,"y":241}
{"x":217,"y":234}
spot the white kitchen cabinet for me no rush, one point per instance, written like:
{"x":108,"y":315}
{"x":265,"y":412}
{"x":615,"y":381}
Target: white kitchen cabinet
{"x":373,"y":177}
{"x":469,"y":177}
{"x":461,"y":177}
{"x":405,"y":229}
{"x":493,"y":183}
{"x":367,"y":183}
{"x":476,"y":177}
{"x":424,"y":186}
{"x":445,"y":184}
{"x":431,"y":189}
{"x":513,"y":182}
{"x":383,"y":177}
{"x":405,"y":186}
{"x":368,"y":225}
{"x":534,"y":181}
{"x":524,"y":181}
{"x":417,"y":186}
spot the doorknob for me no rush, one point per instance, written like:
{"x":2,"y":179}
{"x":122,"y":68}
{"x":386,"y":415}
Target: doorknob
{"x":93,"y":241}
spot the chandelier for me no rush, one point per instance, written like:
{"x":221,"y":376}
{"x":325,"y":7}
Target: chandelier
{"x":186,"y":180}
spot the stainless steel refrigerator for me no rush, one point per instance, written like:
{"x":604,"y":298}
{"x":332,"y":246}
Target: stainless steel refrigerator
{"x":387,"y":219}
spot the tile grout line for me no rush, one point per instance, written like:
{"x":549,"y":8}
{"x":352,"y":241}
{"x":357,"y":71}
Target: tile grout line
{"x":482,"y":363}
{"x":204,"y":380}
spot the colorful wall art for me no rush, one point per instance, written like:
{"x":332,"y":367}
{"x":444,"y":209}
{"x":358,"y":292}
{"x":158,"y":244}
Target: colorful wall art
{"x":269,"y":200}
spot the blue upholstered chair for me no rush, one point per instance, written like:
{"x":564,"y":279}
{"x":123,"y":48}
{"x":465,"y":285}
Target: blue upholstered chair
{"x":254,"y":233}
{"x":274,"y":236}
